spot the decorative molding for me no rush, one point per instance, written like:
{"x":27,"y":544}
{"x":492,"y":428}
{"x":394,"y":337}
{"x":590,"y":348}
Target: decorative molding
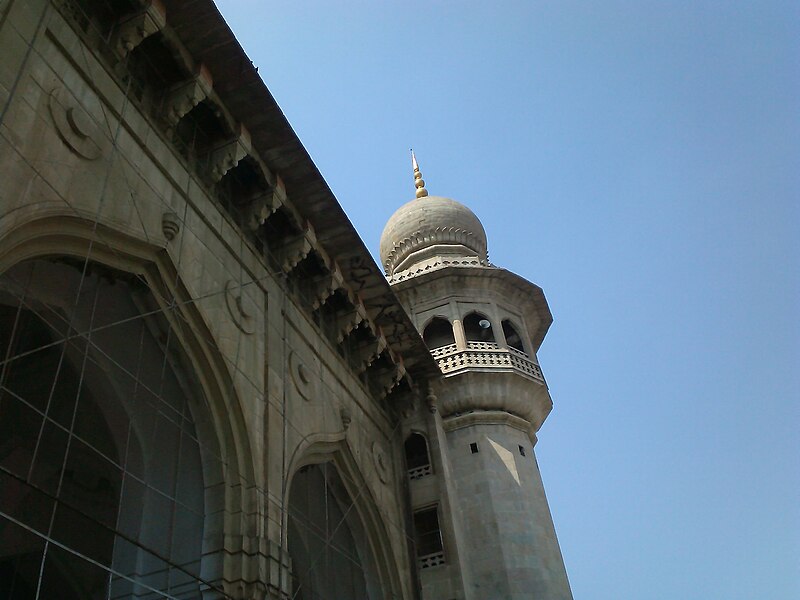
{"x":489,"y":417}
{"x":170,"y":225}
{"x":441,"y":235}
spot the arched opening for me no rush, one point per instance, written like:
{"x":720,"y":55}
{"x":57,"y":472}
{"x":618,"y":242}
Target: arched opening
{"x":331,"y":555}
{"x":418,"y":460}
{"x":428,"y":538}
{"x":101,"y":466}
{"x":513,"y":338}
{"x":438,"y":333}
{"x":478,"y":328}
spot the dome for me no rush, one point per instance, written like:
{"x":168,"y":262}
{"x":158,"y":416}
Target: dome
{"x":431,"y":221}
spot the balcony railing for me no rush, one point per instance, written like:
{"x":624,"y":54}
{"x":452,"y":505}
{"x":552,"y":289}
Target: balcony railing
{"x":419,"y":472}
{"x":485,"y":355}
{"x":431,"y":560}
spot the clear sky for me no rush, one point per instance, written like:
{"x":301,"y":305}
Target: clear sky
{"x":641,"y":162}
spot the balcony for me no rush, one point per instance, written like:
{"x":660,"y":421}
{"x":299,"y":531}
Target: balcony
{"x":485,"y":355}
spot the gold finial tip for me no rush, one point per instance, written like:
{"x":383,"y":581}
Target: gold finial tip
{"x":419,"y":183}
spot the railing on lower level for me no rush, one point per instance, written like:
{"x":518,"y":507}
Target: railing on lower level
{"x":431,"y":560}
{"x":481,"y":355}
{"x":419,"y":472}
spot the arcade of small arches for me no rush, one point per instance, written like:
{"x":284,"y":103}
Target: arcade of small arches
{"x":476,"y":331}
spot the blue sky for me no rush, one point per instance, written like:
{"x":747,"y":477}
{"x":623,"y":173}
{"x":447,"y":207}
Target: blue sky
{"x":641,"y":162}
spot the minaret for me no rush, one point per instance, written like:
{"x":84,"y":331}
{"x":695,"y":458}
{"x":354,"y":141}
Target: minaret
{"x":482,"y":524}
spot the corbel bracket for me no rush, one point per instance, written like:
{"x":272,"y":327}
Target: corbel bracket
{"x":226,"y":156}
{"x":134,"y":29}
{"x":186,"y":95}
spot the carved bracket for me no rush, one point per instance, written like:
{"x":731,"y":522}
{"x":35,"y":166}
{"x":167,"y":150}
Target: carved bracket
{"x":185,"y":96}
{"x":133,"y":30}
{"x":366,"y":353}
{"x":293,"y":251}
{"x":323,"y":287}
{"x":387,"y":380}
{"x":349,"y":320}
{"x":254,"y":211}
{"x":223,"y":158}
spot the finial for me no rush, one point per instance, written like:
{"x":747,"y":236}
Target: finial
{"x":419,"y":182}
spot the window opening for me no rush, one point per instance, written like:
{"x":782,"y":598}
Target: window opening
{"x":417,"y":458}
{"x":473,"y":447}
{"x":438,"y":333}
{"x":513,"y":338}
{"x":428,"y":536}
{"x":477,"y":328}
{"x":521,"y":451}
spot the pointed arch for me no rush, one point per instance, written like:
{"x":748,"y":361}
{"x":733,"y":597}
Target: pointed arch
{"x":478,"y":328}
{"x":362,"y":515}
{"x":417,"y":454}
{"x":512,"y":335}
{"x":227,"y":466}
{"x":438,"y":332}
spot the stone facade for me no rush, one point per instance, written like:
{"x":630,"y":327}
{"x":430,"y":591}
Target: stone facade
{"x":206,"y":381}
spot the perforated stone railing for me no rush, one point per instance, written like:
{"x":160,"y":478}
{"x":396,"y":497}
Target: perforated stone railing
{"x":485,"y":355}
{"x":431,"y":560}
{"x":443,"y":351}
{"x":419,"y":472}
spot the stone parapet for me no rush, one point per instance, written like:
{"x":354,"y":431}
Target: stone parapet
{"x":485,"y":355}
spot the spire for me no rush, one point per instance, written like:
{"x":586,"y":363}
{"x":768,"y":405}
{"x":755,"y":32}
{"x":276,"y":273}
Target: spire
{"x":419,"y":182}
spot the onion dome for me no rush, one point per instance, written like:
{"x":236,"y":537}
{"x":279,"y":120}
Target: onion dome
{"x":428,"y":226}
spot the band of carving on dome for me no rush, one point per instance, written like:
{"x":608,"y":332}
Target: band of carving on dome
{"x":421,"y":229}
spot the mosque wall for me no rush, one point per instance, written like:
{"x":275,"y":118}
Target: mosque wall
{"x":207,"y":387}
{"x":98,"y":175}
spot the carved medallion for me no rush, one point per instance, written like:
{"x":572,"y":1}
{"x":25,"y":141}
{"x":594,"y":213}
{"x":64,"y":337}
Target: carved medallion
{"x":302,"y":376}
{"x":74,"y":125}
{"x":240,"y":307}
{"x":380,"y":461}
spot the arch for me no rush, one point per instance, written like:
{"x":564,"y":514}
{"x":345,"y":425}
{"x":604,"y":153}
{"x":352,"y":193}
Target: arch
{"x":478,"y":328}
{"x":418,"y":459}
{"x":363,"y":516}
{"x":438,"y":332}
{"x":513,"y":338}
{"x":225,"y":458}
